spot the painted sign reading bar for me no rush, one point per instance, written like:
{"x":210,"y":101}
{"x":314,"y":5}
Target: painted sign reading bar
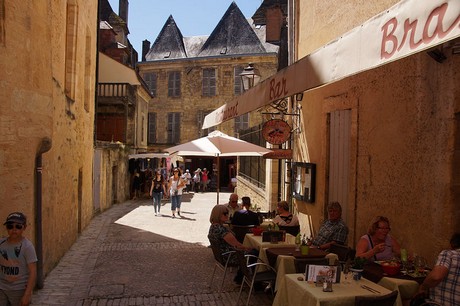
{"x":408,"y":27}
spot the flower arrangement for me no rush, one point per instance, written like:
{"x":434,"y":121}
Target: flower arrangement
{"x":358,"y":263}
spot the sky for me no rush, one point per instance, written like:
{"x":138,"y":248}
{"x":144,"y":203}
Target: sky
{"x":146,"y":18}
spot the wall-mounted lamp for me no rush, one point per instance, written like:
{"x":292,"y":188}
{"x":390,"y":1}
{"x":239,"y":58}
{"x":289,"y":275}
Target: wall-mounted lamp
{"x":299,"y":96}
{"x":250,"y":77}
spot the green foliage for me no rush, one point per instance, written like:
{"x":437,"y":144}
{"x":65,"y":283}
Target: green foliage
{"x":359,"y":262}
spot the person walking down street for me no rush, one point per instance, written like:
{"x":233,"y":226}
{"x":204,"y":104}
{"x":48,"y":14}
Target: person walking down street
{"x":157,"y":190}
{"x":204,"y":179}
{"x":188,"y":180}
{"x":18,"y":263}
{"x":196,"y":180}
{"x":136,"y":185}
{"x":442,"y":284}
{"x":175,"y":187}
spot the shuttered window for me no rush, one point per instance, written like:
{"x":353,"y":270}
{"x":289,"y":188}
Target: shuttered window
{"x":237,"y":83}
{"x":174,"y":84}
{"x":150,"y":79}
{"x":173,"y":128}
{"x":241,"y":123}
{"x":152,"y":132}
{"x":209,"y":82}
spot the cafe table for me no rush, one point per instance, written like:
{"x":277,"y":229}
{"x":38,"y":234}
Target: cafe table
{"x":406,"y":285}
{"x":294,"y":292}
{"x":255,"y":242}
{"x":282,"y":260}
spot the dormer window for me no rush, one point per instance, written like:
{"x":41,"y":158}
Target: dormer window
{"x":167,"y":54}
{"x":224,"y":50}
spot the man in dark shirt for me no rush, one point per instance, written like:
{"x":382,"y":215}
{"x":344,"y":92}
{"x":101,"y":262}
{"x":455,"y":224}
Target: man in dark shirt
{"x":245,"y":216}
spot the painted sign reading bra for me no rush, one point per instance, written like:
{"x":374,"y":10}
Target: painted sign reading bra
{"x":406,"y":28}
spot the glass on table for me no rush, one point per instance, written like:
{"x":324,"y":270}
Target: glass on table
{"x":346,"y":273}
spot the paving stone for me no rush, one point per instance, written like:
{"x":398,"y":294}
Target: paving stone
{"x":127,"y":256}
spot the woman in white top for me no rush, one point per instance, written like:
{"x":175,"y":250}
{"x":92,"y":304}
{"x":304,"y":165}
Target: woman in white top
{"x":175,"y":186}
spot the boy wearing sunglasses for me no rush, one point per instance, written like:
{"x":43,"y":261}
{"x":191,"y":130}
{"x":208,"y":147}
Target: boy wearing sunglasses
{"x":18,"y":263}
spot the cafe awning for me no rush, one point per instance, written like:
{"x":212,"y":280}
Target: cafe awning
{"x":408,"y":27}
{"x":111,"y":71}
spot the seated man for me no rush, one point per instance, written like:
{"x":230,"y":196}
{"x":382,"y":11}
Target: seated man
{"x":232,"y":205}
{"x":333,"y":230}
{"x":443,"y":282}
{"x":245,"y":216}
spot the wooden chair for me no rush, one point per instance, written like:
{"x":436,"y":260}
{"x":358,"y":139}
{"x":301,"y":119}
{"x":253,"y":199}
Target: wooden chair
{"x":343,"y":252}
{"x":301,"y":263}
{"x":293,"y":230}
{"x":240,"y":231}
{"x":249,"y":265}
{"x":383,"y":300}
{"x":223,"y":262}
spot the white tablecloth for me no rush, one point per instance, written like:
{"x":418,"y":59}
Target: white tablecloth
{"x":293,"y":292}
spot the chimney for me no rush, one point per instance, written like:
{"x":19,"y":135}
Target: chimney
{"x":145,"y":48}
{"x":123,"y":10}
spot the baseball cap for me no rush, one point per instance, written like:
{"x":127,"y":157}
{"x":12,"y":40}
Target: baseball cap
{"x":16,"y":217}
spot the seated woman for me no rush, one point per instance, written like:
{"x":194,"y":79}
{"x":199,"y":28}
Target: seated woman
{"x":378,"y":244}
{"x":284,"y":217}
{"x":222,"y":236}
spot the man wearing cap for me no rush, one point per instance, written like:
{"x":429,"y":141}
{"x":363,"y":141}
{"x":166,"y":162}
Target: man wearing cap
{"x":18,"y":263}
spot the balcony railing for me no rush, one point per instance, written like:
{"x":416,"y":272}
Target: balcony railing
{"x":115,"y":90}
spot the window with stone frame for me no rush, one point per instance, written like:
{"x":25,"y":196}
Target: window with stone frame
{"x":150,"y":78}
{"x":252,"y":168}
{"x":152,"y":130}
{"x":241,"y":123}
{"x":2,"y":22}
{"x":237,"y":83}
{"x":209,"y":82}
{"x":173,"y":128}
{"x":174,"y":84}
{"x":71,"y":51}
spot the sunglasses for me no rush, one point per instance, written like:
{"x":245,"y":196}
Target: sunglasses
{"x":225,"y":213}
{"x":17,"y":226}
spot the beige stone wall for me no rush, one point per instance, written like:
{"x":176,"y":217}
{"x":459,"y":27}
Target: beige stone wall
{"x":34,"y":105}
{"x":192,"y":103}
{"x":404,"y":132}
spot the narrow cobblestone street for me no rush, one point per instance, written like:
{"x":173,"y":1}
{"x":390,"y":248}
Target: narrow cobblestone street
{"x":129,"y":256}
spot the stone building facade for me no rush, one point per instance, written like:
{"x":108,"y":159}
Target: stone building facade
{"x":397,"y":137}
{"x":48,"y":64}
{"x":191,"y":76}
{"x":381,"y":131}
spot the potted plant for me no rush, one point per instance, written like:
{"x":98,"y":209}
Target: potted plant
{"x":357,"y":267}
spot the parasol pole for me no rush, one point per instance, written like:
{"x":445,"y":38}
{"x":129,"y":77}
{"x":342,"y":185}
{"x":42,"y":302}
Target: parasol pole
{"x":218,"y":176}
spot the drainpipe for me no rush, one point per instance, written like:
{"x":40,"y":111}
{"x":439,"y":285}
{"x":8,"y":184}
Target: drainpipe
{"x":45,"y":146}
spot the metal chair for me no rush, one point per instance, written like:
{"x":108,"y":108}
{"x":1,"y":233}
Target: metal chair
{"x":240,"y":231}
{"x":249,"y":265}
{"x":301,"y":263}
{"x":383,"y":300}
{"x":223,"y":262}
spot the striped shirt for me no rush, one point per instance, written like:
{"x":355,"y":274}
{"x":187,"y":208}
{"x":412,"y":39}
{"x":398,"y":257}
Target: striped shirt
{"x":447,"y":292}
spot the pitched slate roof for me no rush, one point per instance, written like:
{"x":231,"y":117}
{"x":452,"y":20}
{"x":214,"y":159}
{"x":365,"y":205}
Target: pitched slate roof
{"x":233,"y":35}
{"x":169,"y":43}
